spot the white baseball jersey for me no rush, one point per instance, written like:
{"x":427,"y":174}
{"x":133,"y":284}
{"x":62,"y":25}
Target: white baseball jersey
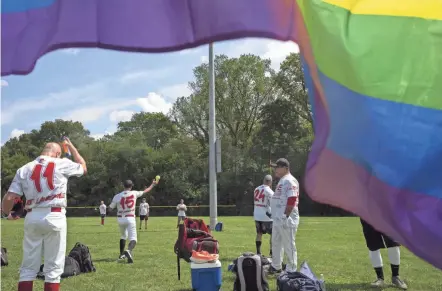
{"x":103,"y":209}
{"x":44,"y":181}
{"x":261,"y":202}
{"x":144,"y":208}
{"x":287,"y":187}
{"x":126,"y":202}
{"x":181,"y":209}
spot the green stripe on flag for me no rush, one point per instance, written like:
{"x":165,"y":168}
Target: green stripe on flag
{"x":386,"y":57}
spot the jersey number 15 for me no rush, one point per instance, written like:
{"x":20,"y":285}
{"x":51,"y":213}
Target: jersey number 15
{"x":259,"y":195}
{"x":127,"y":202}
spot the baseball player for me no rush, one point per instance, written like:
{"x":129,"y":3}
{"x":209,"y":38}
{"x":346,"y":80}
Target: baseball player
{"x":144,"y":213}
{"x":285,"y":215}
{"x":44,"y":183}
{"x":375,"y":241}
{"x":261,"y":212}
{"x":102,"y":212}
{"x":182,"y":208}
{"x":126,"y":202}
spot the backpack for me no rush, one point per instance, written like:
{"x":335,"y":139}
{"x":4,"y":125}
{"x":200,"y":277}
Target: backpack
{"x":4,"y":257}
{"x":251,"y":275}
{"x":82,"y":255}
{"x":304,"y":280}
{"x":193,"y":234}
{"x":219,"y":226}
{"x":71,"y":268}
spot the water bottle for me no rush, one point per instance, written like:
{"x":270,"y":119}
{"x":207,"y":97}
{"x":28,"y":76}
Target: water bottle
{"x":322,"y":281}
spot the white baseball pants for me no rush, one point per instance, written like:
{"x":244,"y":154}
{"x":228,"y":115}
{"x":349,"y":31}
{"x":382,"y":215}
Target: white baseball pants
{"x":44,"y":234}
{"x":128,"y":228}
{"x":283,"y":240}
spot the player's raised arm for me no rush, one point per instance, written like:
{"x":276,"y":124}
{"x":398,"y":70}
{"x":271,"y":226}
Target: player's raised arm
{"x":76,"y":155}
{"x":148,"y":189}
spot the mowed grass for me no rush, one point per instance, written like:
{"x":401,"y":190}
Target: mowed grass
{"x":332,"y":246}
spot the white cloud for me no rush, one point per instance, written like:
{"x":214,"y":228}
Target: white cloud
{"x":154,"y":102}
{"x":71,"y":51}
{"x":274,"y":50}
{"x":190,"y":51}
{"x":4,"y":83}
{"x":120,"y":115}
{"x":97,"y":110}
{"x":53,"y":101}
{"x":175,"y":91}
{"x":16,"y":133}
{"x":204,"y":59}
{"x":144,"y":75}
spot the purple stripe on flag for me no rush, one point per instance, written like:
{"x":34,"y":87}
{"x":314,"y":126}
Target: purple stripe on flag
{"x":137,"y":25}
{"x":411,"y":218}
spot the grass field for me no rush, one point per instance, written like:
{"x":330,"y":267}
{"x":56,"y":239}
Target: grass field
{"x":332,"y":246}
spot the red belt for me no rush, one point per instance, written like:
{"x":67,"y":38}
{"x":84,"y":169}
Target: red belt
{"x":128,"y":215}
{"x":53,"y":209}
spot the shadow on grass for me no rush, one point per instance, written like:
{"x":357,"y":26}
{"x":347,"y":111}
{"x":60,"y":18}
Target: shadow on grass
{"x":104,"y":260}
{"x":347,"y":286}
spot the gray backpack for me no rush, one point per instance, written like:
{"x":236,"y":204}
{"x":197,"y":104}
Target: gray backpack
{"x":304,"y":280}
{"x":251,"y":274}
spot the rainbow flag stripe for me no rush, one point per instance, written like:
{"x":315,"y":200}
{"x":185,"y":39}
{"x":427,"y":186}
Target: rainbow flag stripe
{"x":373,"y":69}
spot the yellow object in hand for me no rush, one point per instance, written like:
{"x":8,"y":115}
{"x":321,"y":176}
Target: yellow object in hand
{"x":157,"y":178}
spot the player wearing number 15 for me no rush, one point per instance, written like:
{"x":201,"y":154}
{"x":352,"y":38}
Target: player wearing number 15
{"x":44,"y":183}
{"x":261,"y":212}
{"x":126,"y":202}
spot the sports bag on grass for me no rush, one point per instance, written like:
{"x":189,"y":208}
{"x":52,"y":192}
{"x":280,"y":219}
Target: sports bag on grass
{"x":71,"y":268}
{"x":250,"y":273}
{"x":304,"y":280}
{"x":4,"y":257}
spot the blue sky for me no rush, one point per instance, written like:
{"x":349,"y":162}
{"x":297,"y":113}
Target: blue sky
{"x":101,"y":87}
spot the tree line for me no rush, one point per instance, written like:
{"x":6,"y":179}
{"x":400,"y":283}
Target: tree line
{"x":261,"y":115}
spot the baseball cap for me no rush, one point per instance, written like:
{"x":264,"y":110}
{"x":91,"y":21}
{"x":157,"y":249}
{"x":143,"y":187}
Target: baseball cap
{"x":281,"y":163}
{"x":128,"y":184}
{"x":268,"y":178}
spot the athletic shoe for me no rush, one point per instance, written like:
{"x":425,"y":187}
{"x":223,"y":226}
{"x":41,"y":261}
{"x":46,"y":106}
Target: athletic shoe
{"x":397,"y":281}
{"x":128,"y":255}
{"x":121,"y":257}
{"x":272,"y":270}
{"x":379,"y":283}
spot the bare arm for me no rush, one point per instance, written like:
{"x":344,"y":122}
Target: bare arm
{"x":76,"y":155}
{"x":8,"y":202}
{"x":148,"y":189}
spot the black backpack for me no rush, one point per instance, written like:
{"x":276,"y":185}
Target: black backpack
{"x":251,"y":273}
{"x":71,"y":268}
{"x":304,"y":280}
{"x":82,"y":255}
{"x":4,"y":257}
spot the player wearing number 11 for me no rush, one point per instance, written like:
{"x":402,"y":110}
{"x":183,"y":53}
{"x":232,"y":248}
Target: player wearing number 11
{"x":44,"y":182}
{"x":126,"y":202}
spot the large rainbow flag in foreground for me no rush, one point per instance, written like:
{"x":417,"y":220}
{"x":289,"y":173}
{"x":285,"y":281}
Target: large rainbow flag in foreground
{"x":373,"y":69}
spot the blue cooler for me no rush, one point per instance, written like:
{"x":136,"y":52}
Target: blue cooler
{"x":206,"y":277}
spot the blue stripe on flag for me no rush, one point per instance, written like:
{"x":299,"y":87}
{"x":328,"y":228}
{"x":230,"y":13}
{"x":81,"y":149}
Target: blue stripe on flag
{"x":398,"y":143}
{"x":11,"y":6}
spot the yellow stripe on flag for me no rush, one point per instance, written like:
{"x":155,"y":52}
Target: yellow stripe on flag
{"x":427,"y":9}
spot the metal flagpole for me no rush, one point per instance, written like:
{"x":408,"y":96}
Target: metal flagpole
{"x":212,"y":143}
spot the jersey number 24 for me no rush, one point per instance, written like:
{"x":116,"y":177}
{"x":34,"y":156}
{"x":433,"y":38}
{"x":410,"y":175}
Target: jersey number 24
{"x":259,"y":195}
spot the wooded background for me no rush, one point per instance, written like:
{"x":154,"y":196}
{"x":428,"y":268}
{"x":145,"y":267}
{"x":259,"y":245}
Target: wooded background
{"x":261,"y":115}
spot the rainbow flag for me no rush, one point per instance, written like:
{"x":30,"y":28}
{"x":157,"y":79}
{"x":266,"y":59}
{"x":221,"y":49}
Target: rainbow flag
{"x":373,"y":69}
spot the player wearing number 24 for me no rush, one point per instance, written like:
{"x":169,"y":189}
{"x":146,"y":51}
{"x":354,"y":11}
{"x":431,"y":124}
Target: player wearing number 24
{"x":44,"y":183}
{"x":125,"y":202}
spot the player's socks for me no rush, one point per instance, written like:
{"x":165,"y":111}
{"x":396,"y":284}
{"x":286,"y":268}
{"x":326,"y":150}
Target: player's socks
{"x":258,"y":247}
{"x":132,"y":245}
{"x":379,"y":272}
{"x":52,"y":286}
{"x":102,"y":221}
{"x":122,"y":246}
{"x":25,"y":285}
{"x":395,"y":270}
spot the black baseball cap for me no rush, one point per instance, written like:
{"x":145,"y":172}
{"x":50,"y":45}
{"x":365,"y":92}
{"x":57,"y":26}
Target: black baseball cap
{"x":281,"y":163}
{"x":128,"y":184}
